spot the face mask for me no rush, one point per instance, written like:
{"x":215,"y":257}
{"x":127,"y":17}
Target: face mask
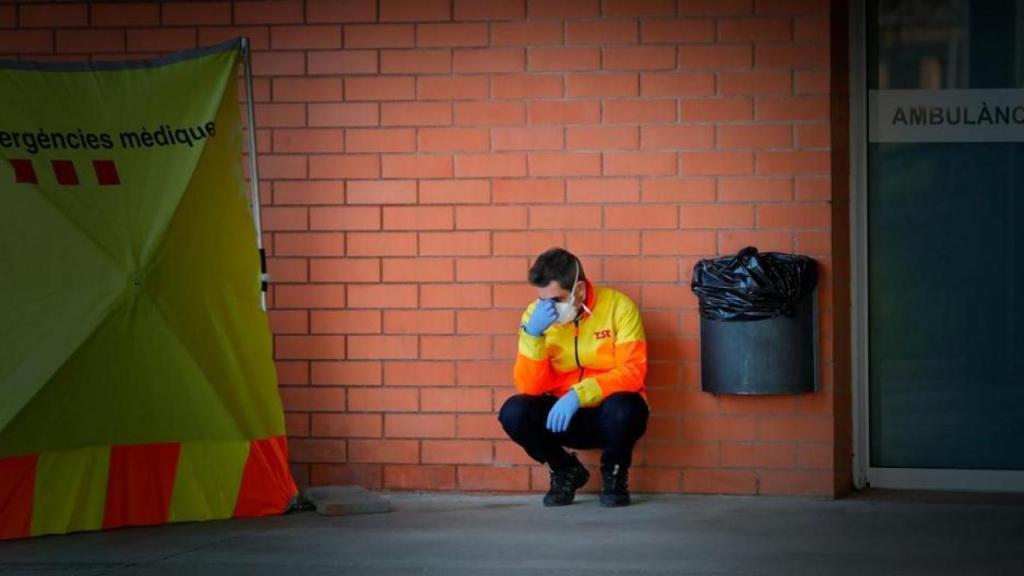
{"x":567,"y":310}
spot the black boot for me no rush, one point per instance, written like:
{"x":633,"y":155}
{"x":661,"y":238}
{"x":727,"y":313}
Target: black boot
{"x":614,"y":485}
{"x":565,"y":479}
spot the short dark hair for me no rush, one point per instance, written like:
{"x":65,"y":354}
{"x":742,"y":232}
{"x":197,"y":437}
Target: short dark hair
{"x":556,"y":264}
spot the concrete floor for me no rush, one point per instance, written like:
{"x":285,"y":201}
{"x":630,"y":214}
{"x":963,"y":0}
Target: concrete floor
{"x":452,"y":535}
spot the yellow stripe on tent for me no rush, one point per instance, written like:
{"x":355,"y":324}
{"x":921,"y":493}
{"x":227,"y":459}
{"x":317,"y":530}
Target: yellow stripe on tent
{"x":70,"y":491}
{"x":208,"y":479}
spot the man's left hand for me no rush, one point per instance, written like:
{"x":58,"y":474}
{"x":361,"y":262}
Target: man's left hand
{"x":562,"y":412}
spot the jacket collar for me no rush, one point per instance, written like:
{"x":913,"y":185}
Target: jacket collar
{"x":591,"y":299}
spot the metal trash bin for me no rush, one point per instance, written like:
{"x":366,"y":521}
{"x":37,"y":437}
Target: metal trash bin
{"x":758,"y":327}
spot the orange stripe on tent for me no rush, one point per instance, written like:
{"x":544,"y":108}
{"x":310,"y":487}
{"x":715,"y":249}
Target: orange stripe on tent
{"x":267,"y":486}
{"x":17,"y":485}
{"x":140,"y":484}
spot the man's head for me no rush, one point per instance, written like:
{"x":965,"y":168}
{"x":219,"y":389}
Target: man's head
{"x":558,"y":276}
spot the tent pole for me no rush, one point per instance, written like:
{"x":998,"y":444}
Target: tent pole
{"x":254,"y":172}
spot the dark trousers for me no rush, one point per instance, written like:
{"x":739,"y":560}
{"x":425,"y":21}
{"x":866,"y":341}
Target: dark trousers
{"x":614,"y":426}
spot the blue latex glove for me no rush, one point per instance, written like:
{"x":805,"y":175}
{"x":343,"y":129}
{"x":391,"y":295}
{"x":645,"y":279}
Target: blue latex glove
{"x":544,"y":315}
{"x":562,"y":412}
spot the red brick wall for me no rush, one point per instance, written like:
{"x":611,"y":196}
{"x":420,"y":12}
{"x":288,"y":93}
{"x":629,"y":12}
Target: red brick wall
{"x":418,"y":153}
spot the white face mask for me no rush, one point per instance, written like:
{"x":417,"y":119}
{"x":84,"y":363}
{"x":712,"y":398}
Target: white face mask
{"x":567,"y":311}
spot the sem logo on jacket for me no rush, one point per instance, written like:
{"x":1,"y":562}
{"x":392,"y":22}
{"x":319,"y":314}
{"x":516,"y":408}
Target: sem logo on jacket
{"x":602,"y":334}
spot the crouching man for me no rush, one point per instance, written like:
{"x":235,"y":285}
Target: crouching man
{"x":580,"y":373}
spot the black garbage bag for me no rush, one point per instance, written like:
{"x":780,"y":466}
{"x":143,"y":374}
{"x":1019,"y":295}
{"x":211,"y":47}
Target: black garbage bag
{"x":752,"y":285}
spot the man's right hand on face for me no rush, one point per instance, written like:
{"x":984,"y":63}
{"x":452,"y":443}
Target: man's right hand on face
{"x":544,"y":315}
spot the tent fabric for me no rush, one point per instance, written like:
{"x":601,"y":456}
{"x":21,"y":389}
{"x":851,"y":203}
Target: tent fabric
{"x":137,"y":383}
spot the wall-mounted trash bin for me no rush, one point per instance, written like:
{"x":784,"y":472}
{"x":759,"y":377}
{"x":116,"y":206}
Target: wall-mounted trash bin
{"x":758,"y":325}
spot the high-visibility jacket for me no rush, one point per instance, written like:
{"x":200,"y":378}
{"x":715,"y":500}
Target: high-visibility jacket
{"x":599,"y":354}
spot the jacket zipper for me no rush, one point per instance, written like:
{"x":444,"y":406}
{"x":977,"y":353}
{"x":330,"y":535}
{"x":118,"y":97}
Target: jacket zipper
{"x":576,"y":347}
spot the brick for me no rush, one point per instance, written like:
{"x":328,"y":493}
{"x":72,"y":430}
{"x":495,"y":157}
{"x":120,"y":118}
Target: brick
{"x":760,"y":136}
{"x":484,"y":373}
{"x":455,"y":192}
{"x":795,"y":429}
{"x":595,"y":85}
{"x":414,"y":10}
{"x":453,"y":140}
{"x":449,"y":35}
{"x":344,"y":270}
{"x":367,"y":476}
{"x":296,"y":425}
{"x":640,"y":164}
{"x":307,"y":89}
{"x":513,"y":296}
{"x":419,"y":322}
{"x":603,"y":190}
{"x":110,"y":15}
{"x":406,"y":477}
{"x":413,"y":166}
{"x":529,"y":191}
{"x":456,"y":88}
{"x":795,"y":162}
{"x":564,"y":164}
{"x":345,"y":322}
{"x":489,"y":10}
{"x":794,"y":216}
{"x":639,"y":217}
{"x":330,"y":115}
{"x":728,"y":110}
{"x":525,"y":243}
{"x":454,"y":244}
{"x":491,"y":60}
{"x":418,"y":218}
{"x":26,"y":42}
{"x":380,"y":36}
{"x":563,"y":59}
{"x":419,"y":425}
{"x":731,"y":241}
{"x":309,"y":244}
{"x":526,"y":33}
{"x":341,"y":11}
{"x":280,"y":115}
{"x":602,"y":32}
{"x":305,"y":37}
{"x":683,"y":242}
{"x":715,"y":7}
{"x":490,"y":217}
{"x":412,"y":373}
{"x":344,"y":166}
{"x":602,"y":138}
{"x":269,"y":12}
{"x":490,"y":270}
{"x":346,"y":373}
{"x":457,"y":451}
{"x":274,"y":166}
{"x":259,"y":36}
{"x":490,"y":478}
{"x":318,"y":450}
{"x":309,"y":296}
{"x":51,"y":16}
{"x":715,"y":481}
{"x":603,"y":243}
{"x":380,"y":88}
{"x":715,"y":56}
{"x":492,"y":321}
{"x":419,"y":270}
{"x":796,"y":482}
{"x":346,"y":425}
{"x":818,"y":456}
{"x":383,"y":451}
{"x":288,"y":321}
{"x":755,"y":30}
{"x":683,"y":30}
{"x":380,"y":140}
{"x":284,"y":219}
{"x":416,"y":114}
{"x":454,"y":296}
{"x":675,"y":137}
{"x":328,"y":62}
{"x":755,"y":189}
{"x":563,"y":9}
{"x":675,"y":84}
{"x":300,"y":140}
{"x":381,"y":192}
{"x":309,"y":347}
{"x":89,"y":41}
{"x":717,"y":217}
{"x":490,"y":165}
{"x":423,"y":61}
{"x":489,"y":113}
{"x":641,"y":270}
{"x":319,"y":399}
{"x":527,"y":138}
{"x":808,"y":56}
{"x":517,"y":86}
{"x":308,"y":193}
{"x":702,"y":455}
{"x":811,"y":29}
{"x":756,"y":83}
{"x":172,"y":39}
{"x":796,"y":108}
{"x":813,"y":135}
{"x":455,"y":347}
{"x":716,"y":163}
{"x":287,"y":270}
{"x":381,"y":244}
{"x":678,"y":190}
{"x":383,"y":348}
{"x":553,"y":112}
{"x":645,"y":111}
{"x":813,"y":189}
{"x":639,"y":8}
{"x":639,"y":58}
{"x":566,"y":217}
